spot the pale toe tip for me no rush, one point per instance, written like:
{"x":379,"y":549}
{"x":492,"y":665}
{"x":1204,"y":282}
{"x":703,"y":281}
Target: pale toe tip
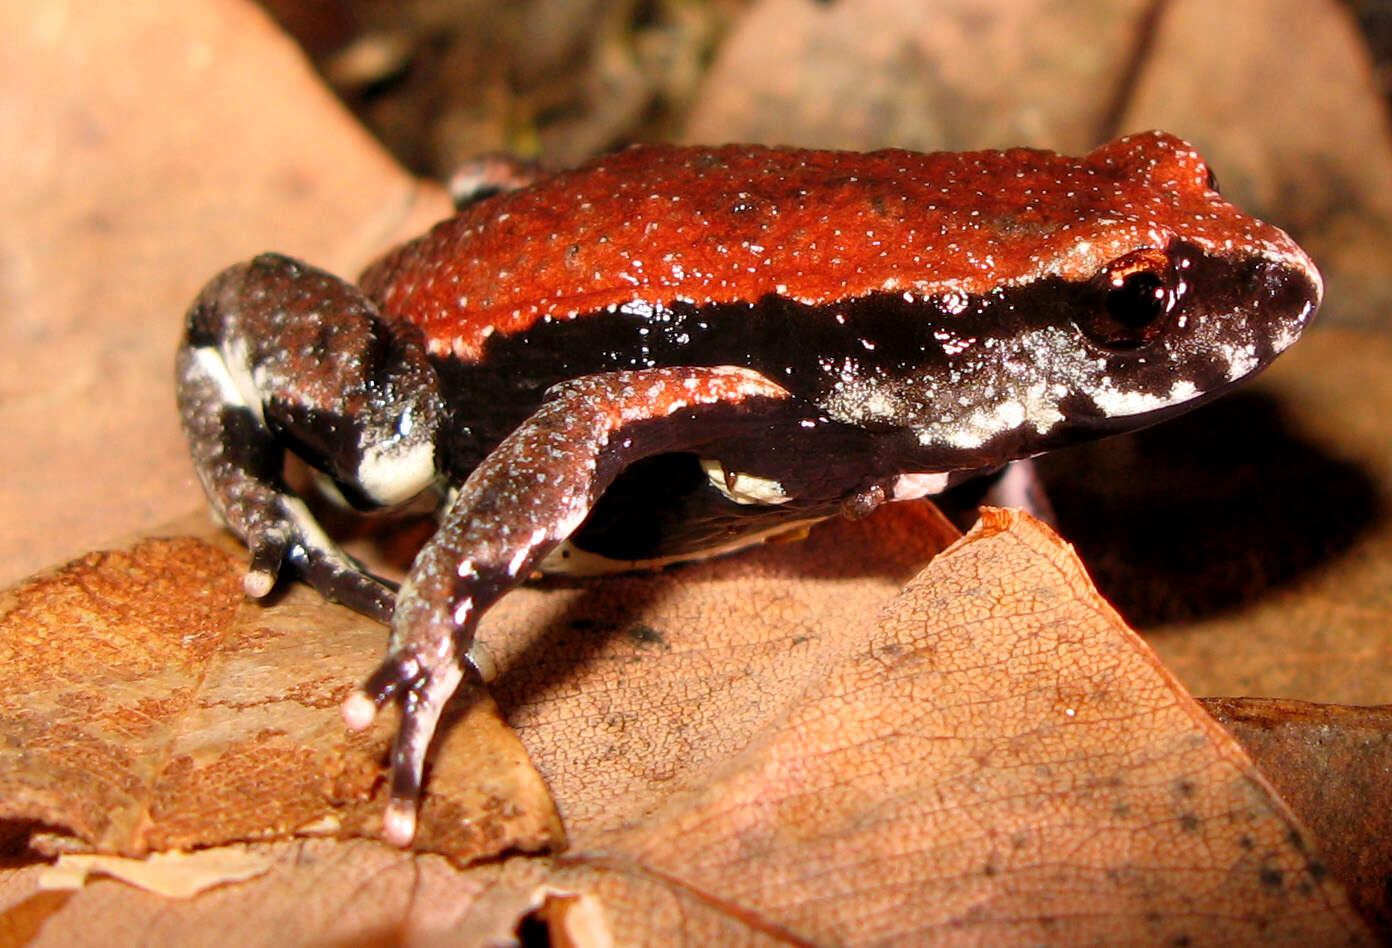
{"x":257,"y":583}
{"x":358,"y":711}
{"x":399,"y":823}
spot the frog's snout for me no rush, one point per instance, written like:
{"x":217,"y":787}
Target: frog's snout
{"x":1288,"y":291}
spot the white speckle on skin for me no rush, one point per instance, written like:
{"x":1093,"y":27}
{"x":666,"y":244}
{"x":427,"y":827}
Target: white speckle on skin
{"x":744,"y":488}
{"x":1115,"y":403}
{"x":209,"y":362}
{"x":914,"y":486}
{"x":1242,"y":360}
{"x":392,"y":471}
{"x":1035,"y":406}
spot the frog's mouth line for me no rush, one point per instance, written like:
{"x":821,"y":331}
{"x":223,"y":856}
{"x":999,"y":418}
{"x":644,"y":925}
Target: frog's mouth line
{"x":1099,"y":425}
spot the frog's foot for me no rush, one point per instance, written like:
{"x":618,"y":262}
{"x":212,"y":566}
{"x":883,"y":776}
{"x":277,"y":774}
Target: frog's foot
{"x":423,"y":687}
{"x":287,"y":533}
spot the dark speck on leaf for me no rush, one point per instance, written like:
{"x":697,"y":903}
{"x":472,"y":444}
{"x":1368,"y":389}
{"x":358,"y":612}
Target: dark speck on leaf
{"x":646,"y":635}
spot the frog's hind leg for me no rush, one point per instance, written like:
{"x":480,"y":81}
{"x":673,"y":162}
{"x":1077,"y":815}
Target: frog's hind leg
{"x":279,"y":356}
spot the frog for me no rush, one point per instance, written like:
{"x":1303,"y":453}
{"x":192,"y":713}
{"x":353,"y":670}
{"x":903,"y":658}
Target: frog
{"x":673,"y":352}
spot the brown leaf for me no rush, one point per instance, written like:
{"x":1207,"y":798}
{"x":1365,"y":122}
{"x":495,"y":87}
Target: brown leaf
{"x":147,"y":706}
{"x":899,"y":73}
{"x":1330,"y":763}
{"x":356,"y":892}
{"x":175,"y":874}
{"x":318,"y":892}
{"x":628,"y":690}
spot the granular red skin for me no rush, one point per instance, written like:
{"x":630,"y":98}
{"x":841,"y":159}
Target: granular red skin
{"x":657,"y":224}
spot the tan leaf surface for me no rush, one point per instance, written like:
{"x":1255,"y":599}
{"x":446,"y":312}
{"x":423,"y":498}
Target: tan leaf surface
{"x":655,"y":680}
{"x":996,"y":759}
{"x":317,"y":892}
{"x":356,"y":892}
{"x":145,"y":705}
{"x":176,"y":874}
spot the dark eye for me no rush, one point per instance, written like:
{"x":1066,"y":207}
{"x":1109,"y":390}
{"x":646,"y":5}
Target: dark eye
{"x":1212,"y":181}
{"x":1130,"y":301}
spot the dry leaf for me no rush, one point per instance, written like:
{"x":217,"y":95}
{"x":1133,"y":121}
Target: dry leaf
{"x":1330,"y":763}
{"x":317,"y":892}
{"x":146,"y":705}
{"x":997,"y":759}
{"x":177,"y":875}
{"x":628,"y":690}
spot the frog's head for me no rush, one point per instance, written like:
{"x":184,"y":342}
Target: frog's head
{"x":1176,"y":297}
{"x":1145,"y":296}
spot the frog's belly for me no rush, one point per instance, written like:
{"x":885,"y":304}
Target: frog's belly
{"x":666,"y":510}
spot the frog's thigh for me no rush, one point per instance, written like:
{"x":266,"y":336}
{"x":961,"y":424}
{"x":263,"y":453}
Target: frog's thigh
{"x":280,"y":356}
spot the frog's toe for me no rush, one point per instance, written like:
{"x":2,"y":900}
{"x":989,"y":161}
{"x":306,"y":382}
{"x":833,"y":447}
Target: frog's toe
{"x":399,"y":822}
{"x":423,"y":693}
{"x":258,"y":583}
{"x":360,"y":708}
{"x":269,"y":549}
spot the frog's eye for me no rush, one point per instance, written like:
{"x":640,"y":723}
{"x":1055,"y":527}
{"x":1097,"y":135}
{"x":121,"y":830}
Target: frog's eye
{"x":1130,"y":300}
{"x":1213,"y":181}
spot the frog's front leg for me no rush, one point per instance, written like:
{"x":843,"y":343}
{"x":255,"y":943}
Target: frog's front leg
{"x":277,"y":355}
{"x":526,"y":497}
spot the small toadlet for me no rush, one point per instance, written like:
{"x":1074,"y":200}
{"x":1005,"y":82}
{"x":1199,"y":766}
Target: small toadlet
{"x":673,"y":352}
